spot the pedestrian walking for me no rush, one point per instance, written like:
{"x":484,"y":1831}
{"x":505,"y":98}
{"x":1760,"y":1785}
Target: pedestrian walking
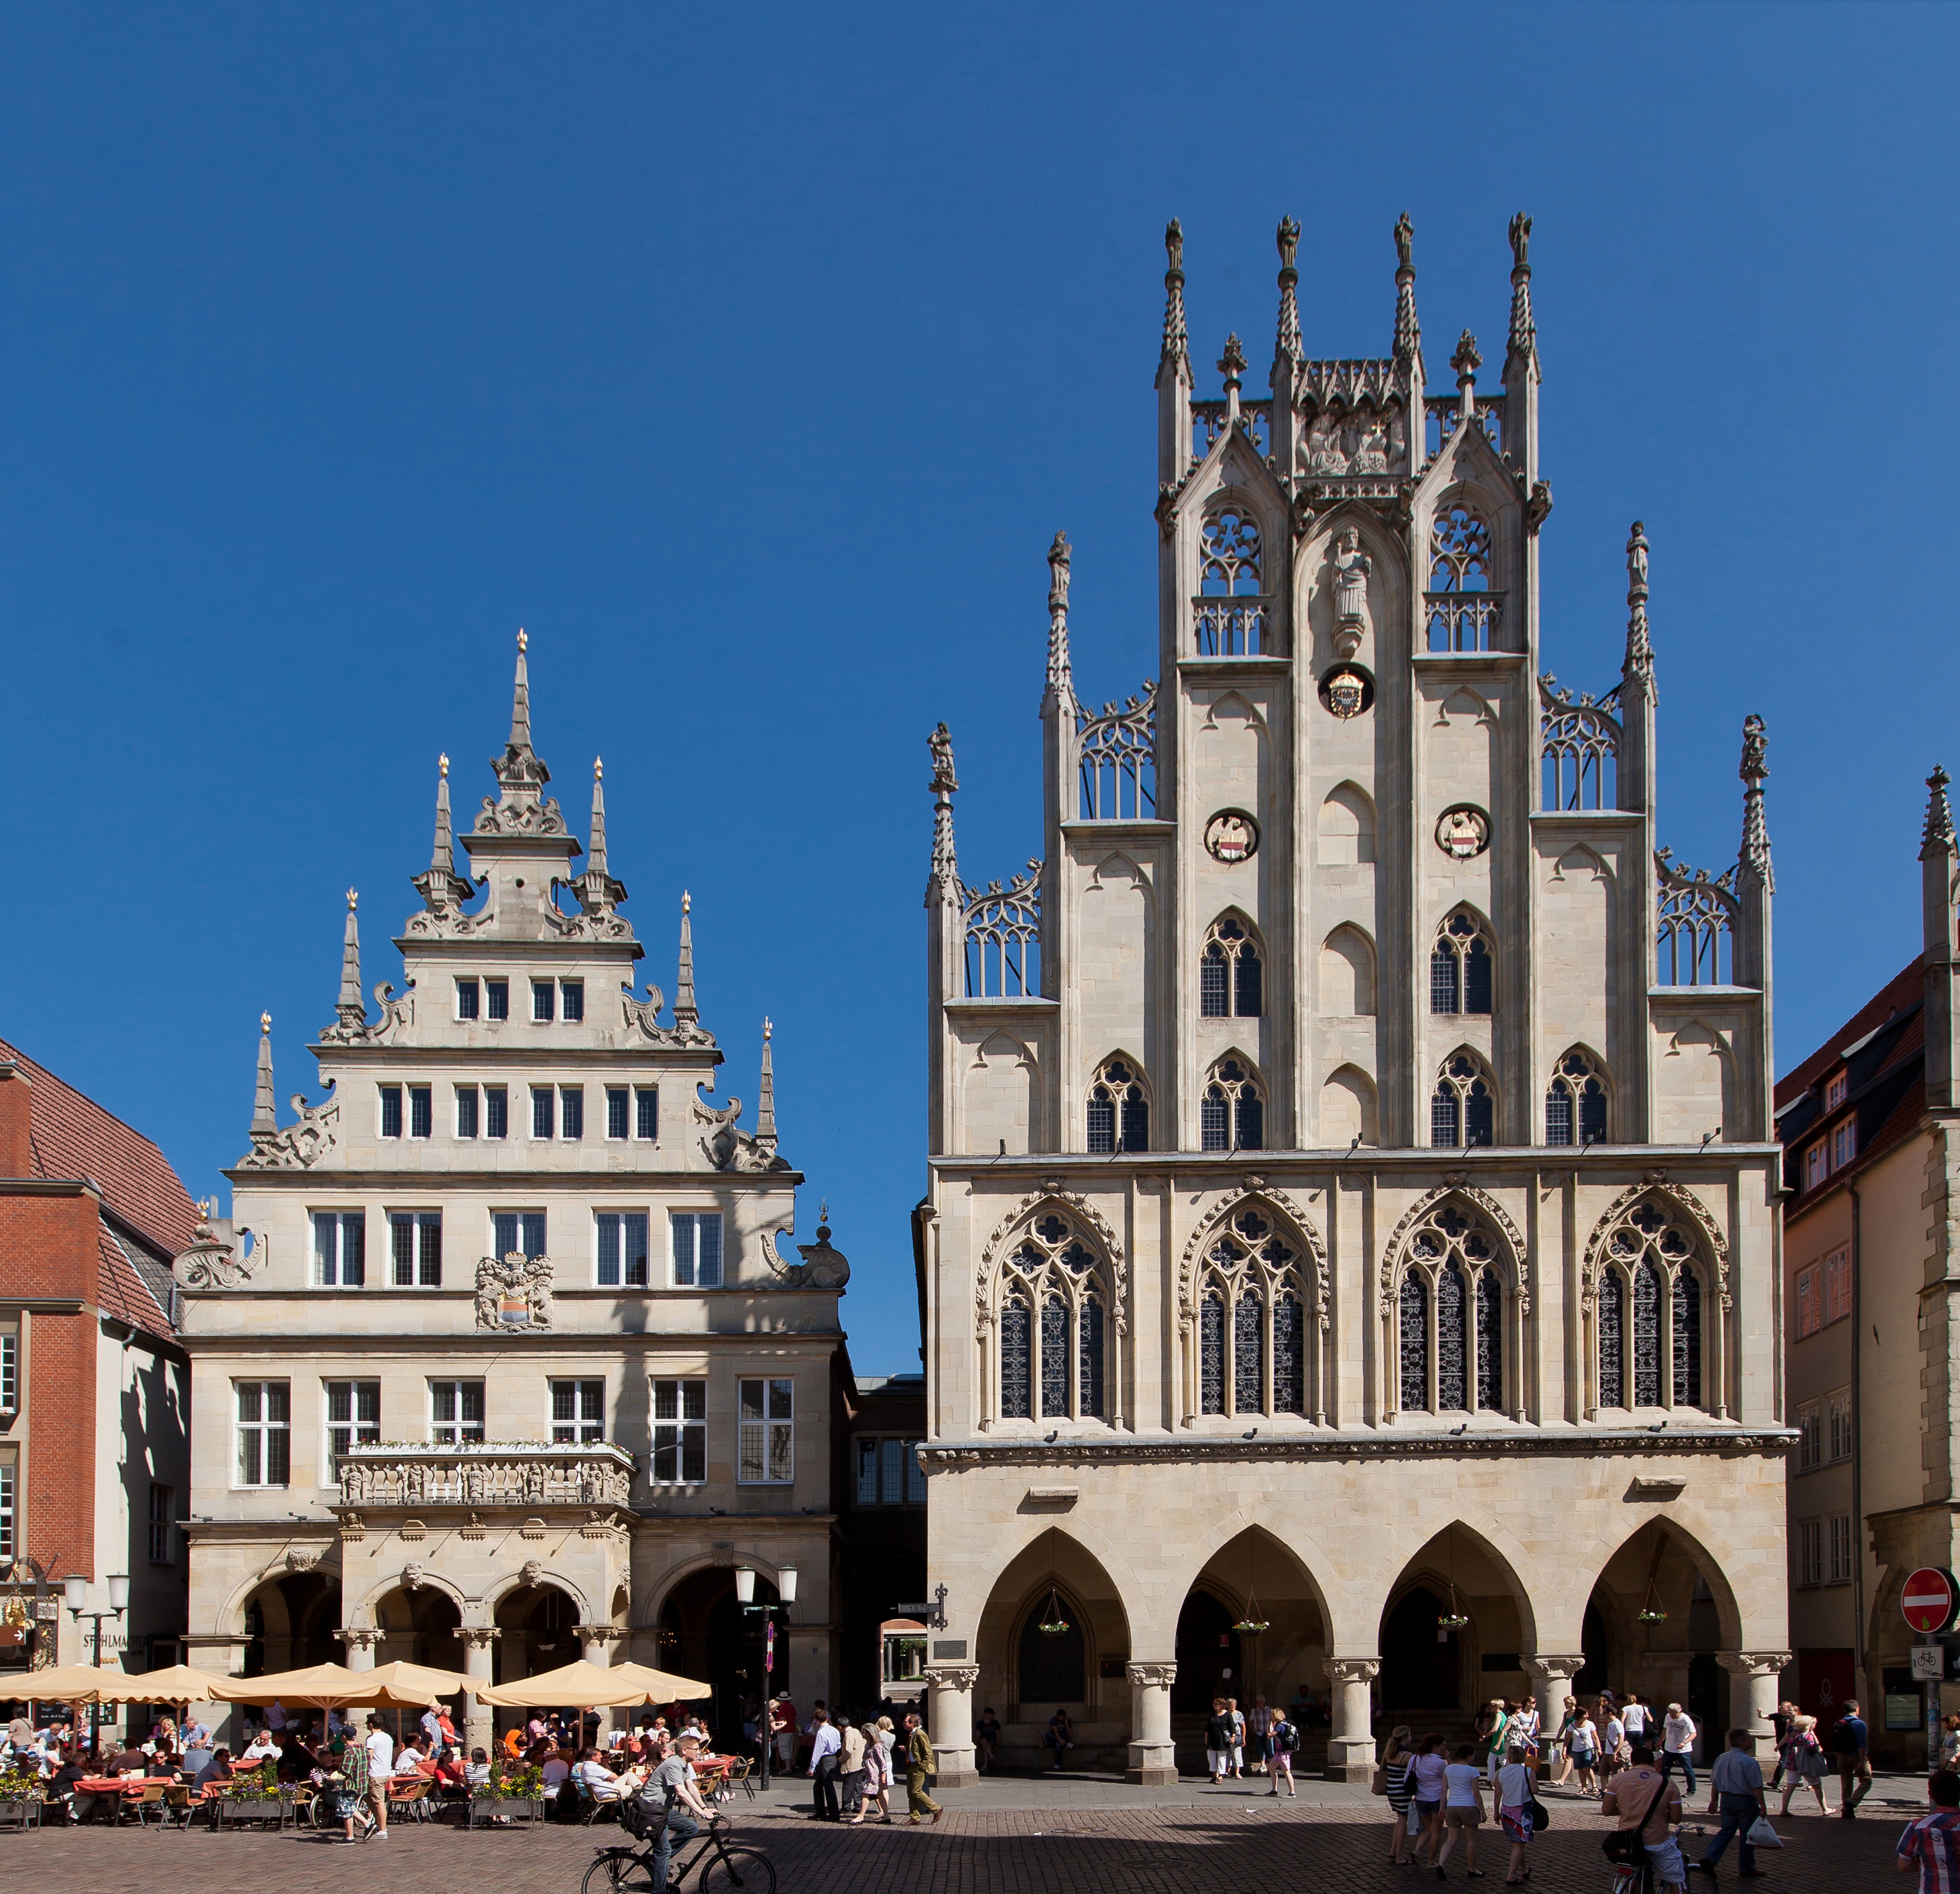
{"x":920,"y":1763}
{"x":1801,"y":1762}
{"x":1584,"y":1750}
{"x":1931,"y":1843}
{"x":1516,"y":1782}
{"x":1431,"y":1766}
{"x":1561,"y":1741}
{"x":851,"y":1770}
{"x":1282,"y":1739}
{"x":1642,"y":1798}
{"x":381,"y":1767}
{"x":1781,"y":1717}
{"x":877,"y":1786}
{"x":1259,"y":1734}
{"x":1238,"y":1736}
{"x":1636,"y":1718}
{"x":1735,"y":1789}
{"x":1851,"y":1742}
{"x":1615,"y":1751}
{"x":825,"y":1753}
{"x":1492,"y":1723}
{"x":1949,"y":1744}
{"x":1462,"y":1810}
{"x":350,"y":1793}
{"x":1218,"y":1740}
{"x":1677,"y":1744}
{"x":1398,"y":1774}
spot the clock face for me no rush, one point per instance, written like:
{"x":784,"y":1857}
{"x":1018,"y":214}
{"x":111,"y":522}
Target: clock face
{"x":1231,"y":836}
{"x":1462,"y":832}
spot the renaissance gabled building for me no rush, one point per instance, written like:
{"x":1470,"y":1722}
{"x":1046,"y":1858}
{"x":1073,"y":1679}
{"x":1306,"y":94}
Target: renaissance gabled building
{"x":1349,"y":1251}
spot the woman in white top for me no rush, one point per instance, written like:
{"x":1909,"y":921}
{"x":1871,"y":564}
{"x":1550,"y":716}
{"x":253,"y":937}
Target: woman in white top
{"x":1561,"y":1740}
{"x":1614,"y":1754}
{"x":1462,"y":1809}
{"x":1516,"y":1782}
{"x":1584,"y":1750}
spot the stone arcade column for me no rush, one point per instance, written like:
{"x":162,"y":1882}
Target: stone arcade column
{"x":479,"y":1724}
{"x":1350,"y":1750}
{"x":950,"y":1712}
{"x":1762,"y":1670}
{"x":219,"y":1652}
{"x":1551,"y":1683}
{"x":360,"y":1641}
{"x":1153,"y":1759}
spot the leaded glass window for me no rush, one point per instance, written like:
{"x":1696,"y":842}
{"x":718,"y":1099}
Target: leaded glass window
{"x":1489,"y":1341}
{"x":1231,"y":1115}
{"x":1459,"y":967}
{"x":1646,"y":1336}
{"x":1252,"y":1121}
{"x":1119,"y":1115}
{"x":1230,"y":975}
{"x":1214,"y":984}
{"x":1212,"y":1354}
{"x":1288,"y":1356}
{"x":1462,"y":1110}
{"x":1248,"y":987}
{"x":1054,"y":1357}
{"x":1687,"y":1339}
{"x":1612,"y":1340}
{"x":1414,"y":1336}
{"x":1444,"y":986}
{"x":1088,"y":1350}
{"x":1576,"y":1101}
{"x":1248,"y":1356}
{"x":1015,"y":1380}
{"x":1102,"y":1122}
{"x":1453,"y":1341}
{"x":1214,"y":1120}
{"x":1445,"y":1118}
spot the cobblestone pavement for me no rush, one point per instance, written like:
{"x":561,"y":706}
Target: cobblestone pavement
{"x":1104,"y":1840}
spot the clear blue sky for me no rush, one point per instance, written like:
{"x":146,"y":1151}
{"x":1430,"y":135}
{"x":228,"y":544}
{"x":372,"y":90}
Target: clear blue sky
{"x":751,"y":358}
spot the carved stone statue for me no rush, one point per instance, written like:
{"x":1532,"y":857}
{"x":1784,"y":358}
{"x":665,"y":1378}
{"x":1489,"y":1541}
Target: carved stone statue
{"x":514,"y":1291}
{"x":1325,"y":446}
{"x":533,"y":1572}
{"x":941,"y":743}
{"x":1349,"y":568}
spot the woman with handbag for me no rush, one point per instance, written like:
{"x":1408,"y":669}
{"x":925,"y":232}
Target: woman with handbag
{"x":1561,"y":1740}
{"x":1516,"y":1782}
{"x":1393,"y":1779}
{"x":1803,"y":1762}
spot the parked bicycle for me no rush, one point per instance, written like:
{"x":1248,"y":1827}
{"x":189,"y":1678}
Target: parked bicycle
{"x":723,"y":1869}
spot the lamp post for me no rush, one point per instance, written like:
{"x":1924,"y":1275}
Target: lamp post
{"x":745,"y":1594}
{"x":75,"y":1591}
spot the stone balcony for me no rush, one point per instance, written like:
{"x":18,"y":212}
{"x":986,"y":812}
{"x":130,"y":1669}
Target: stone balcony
{"x":379,"y":1474}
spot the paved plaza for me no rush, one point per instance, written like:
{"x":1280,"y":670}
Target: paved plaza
{"x":1008,"y":1836}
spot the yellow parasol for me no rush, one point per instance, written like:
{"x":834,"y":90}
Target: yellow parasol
{"x":330,"y":1687}
{"x":175,"y":1683}
{"x":417,"y":1683}
{"x":589,"y":1686}
{"x":74,"y":1683}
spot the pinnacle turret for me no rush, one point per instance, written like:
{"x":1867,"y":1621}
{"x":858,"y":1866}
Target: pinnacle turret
{"x":1176,"y":354}
{"x":1523,"y":348}
{"x":440,"y":887}
{"x":351,"y":1010}
{"x":686,"y":1012}
{"x":1637,"y":670}
{"x":521,"y":772}
{"x":598,"y":893}
{"x":265,"y":1112}
{"x":943,"y":883}
{"x":1754,"y":772}
{"x":1288,"y":350}
{"x":765,"y":1097}
{"x":1409,"y":330}
{"x":1938,"y":834}
{"x":1060,"y":695}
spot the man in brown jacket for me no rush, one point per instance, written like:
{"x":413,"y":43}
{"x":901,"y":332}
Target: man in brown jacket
{"x":919,"y":1762}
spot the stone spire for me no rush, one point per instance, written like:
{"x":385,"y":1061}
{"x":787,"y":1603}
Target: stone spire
{"x":521,"y":772}
{"x":1637,"y":670}
{"x":352,"y":1009}
{"x":1938,"y":834}
{"x":1408,"y":331}
{"x":1466,"y":361}
{"x":1232,"y":366}
{"x":1175,"y":353}
{"x":520,"y":698}
{"x":766,"y":1098}
{"x":595,"y":858}
{"x":1287,"y":347}
{"x":1061,"y":693}
{"x":597,"y":890}
{"x":1524,"y":332}
{"x":943,"y":882}
{"x":1754,"y":772}
{"x":440,"y":886}
{"x":686,"y":1012}
{"x":264,"y":1113}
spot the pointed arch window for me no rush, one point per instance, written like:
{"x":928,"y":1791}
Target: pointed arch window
{"x":1230,"y":612}
{"x":1651,"y":1300}
{"x":1575,"y":1104}
{"x":1453,"y":1308}
{"x":1462,"y":610}
{"x":1232,"y":1114}
{"x":1459,"y":967}
{"x":1119,"y":1111}
{"x":1231,"y":972}
{"x":1462,"y":1109}
{"x":1251,"y":1279}
{"x":1054,"y":1293}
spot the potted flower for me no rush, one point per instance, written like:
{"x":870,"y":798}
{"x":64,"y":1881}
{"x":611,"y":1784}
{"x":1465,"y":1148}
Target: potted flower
{"x":21,"y":1795}
{"x":252,"y":1795}
{"x":518,"y":1791}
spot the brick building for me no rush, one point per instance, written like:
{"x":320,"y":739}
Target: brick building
{"x":94,"y":1390}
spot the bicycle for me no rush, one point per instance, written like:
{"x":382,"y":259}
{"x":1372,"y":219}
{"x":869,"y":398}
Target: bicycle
{"x":630,"y":1870}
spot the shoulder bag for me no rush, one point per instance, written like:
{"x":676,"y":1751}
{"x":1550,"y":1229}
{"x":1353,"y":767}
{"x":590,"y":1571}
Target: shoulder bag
{"x":1626,"y":1848}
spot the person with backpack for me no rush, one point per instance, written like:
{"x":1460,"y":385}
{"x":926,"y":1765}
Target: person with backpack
{"x":1282,"y":1739}
{"x":1932,"y":1844}
{"x":1851,"y":1742}
{"x":1516,"y":1799}
{"x":1647,"y":1806}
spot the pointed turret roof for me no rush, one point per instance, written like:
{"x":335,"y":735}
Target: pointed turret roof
{"x":598,"y":893}
{"x":765,"y":1097}
{"x":1938,"y":833}
{"x":1175,"y":355}
{"x":685,"y":1010}
{"x":943,"y":883}
{"x":351,"y":1011}
{"x":521,"y":772}
{"x":440,"y":887}
{"x":265,"y":1110}
{"x":1754,"y":773}
{"x":1523,"y":345}
{"x":1288,"y":350}
{"x":1637,"y":671}
{"x":1409,"y":330}
{"x":1060,"y":695}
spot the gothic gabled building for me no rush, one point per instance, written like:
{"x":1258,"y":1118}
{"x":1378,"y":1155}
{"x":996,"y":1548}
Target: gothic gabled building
{"x":1350,"y":1248}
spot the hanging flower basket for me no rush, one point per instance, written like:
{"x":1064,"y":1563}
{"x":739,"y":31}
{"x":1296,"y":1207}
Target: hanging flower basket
{"x":1651,"y":1615}
{"x":1053,"y":1627}
{"x":1252,"y":1627}
{"x":1453,"y":1621}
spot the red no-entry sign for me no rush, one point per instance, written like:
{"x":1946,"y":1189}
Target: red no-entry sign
{"x":1929,"y":1599}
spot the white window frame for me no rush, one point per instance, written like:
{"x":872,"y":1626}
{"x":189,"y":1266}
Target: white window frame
{"x":459,"y":1428}
{"x":625,"y":1092}
{"x":1844,"y":1144}
{"x":418,"y":1222}
{"x":497,"y":986}
{"x":624,"y":1269}
{"x":643,"y":1095}
{"x":475,"y":1099}
{"x":1833,"y":1301}
{"x":264,"y":1428}
{"x":544,"y":992}
{"x":686,"y":1269}
{"x":681,"y":1431}
{"x":498,"y":1248}
{"x":1843,"y":1552}
{"x":475,"y":986}
{"x":766,"y":1438}
{"x":1840,"y":1433}
{"x":10,"y":1371}
{"x":1810,"y":1442}
{"x":427,"y":1092}
{"x":1837,"y":1089}
{"x":548,"y":1093}
{"x":1809,"y":1552}
{"x":504,"y":1092}
{"x":361,"y":1429}
{"x":384,"y":1095}
{"x":1809,"y":1300}
{"x":886,"y":1454}
{"x":582,"y":1427}
{"x":566,"y":987}
{"x":9,"y":1512}
{"x":1816,"y":1163}
{"x":566,"y":1093}
{"x":332,"y":1274}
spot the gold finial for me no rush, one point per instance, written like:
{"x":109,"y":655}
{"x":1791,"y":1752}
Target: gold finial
{"x":353,"y":897}
{"x":442,"y":763}
{"x":598,"y":768}
{"x":522,"y":641}
{"x":766,"y":1028}
{"x":265,"y":1022}
{"x":686,"y":901}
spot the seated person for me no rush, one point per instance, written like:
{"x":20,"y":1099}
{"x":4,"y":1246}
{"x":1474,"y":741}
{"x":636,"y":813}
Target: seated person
{"x":218,"y":1769}
{"x":449,"y":1771}
{"x":555,"y":1769}
{"x":163,"y":1763}
{"x":129,"y":1761}
{"x":59,"y":1788}
{"x":477,"y":1768}
{"x":601,"y":1782}
{"x":261,"y":1749}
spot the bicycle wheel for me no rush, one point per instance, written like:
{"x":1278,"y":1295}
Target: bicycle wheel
{"x":742,"y":1869}
{"x":618,"y":1871}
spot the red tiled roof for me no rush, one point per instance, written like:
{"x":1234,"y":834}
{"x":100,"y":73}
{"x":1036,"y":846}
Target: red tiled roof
{"x":122,"y":1292}
{"x":1905,"y":990}
{"x":74,"y":1137}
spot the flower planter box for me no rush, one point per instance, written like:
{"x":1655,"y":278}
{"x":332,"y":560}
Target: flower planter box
{"x":485,"y":1810}
{"x":24,"y":1813}
{"x":253,"y":1808}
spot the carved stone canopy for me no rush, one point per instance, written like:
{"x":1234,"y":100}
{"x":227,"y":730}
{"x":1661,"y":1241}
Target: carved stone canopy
{"x":1152,"y":1676}
{"x":961,"y":1677}
{"x":1351,"y":1669}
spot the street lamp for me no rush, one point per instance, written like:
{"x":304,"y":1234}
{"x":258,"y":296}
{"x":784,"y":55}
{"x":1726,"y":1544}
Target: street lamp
{"x":74,"y":1590}
{"x":745,"y":1595}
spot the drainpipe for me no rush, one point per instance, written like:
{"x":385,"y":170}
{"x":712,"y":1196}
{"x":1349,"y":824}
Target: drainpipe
{"x":1858,"y":1443}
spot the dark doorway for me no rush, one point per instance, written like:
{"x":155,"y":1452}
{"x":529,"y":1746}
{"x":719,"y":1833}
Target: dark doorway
{"x":885,"y":1578}
{"x":1052,"y":1665}
{"x":1208,"y":1663}
{"x":291,"y":1624}
{"x":1594,"y":1672}
{"x":1421,"y":1662}
{"x":1704,"y":1704}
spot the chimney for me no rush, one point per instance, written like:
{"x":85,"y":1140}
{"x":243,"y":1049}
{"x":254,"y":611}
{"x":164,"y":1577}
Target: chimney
{"x":16,"y":1143}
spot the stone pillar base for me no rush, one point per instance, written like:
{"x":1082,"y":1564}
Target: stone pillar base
{"x":1152,"y":1765}
{"x":1349,"y":1761}
{"x":956,"y":1768}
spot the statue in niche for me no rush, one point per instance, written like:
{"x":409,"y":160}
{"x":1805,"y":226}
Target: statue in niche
{"x":1371,"y":446}
{"x":1349,"y":567}
{"x":1326,"y":454}
{"x":1397,"y":439}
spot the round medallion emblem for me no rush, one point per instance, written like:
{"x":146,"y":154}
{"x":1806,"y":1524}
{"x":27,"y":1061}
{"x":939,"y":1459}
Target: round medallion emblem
{"x":1463,"y":832}
{"x":1231,"y":836}
{"x":1346,"y":691}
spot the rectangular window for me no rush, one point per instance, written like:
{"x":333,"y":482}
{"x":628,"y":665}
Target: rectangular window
{"x":571,"y":1001}
{"x":519,"y":1231}
{"x":618,"y":1111}
{"x":623,"y":1249}
{"x":422,"y":1111}
{"x":1836,"y":1091}
{"x":456,"y":1412}
{"x":353,"y":1414}
{"x":9,"y":1541}
{"x":9,"y":1371}
{"x":868,"y":1472}
{"x":496,"y":1112}
{"x":1839,"y":1438}
{"x":415,"y":1237}
{"x":680,"y":1432}
{"x":163,"y":1524}
{"x":264,"y":1432}
{"x":1844,"y":1144}
{"x":697,"y":1249}
{"x":340,"y":1249}
{"x":892,"y":1473}
{"x":543,"y":1010}
{"x":497,"y":999}
{"x":466,"y":1111}
{"x":647,"y":1112}
{"x":1810,"y":1551}
{"x":391,"y":1111}
{"x":1810,"y":1431}
{"x":1814,"y":1165}
{"x":578,"y":1411}
{"x":766,"y":1457}
{"x":571,"y":1111}
{"x":1809,"y":1300}
{"x":542,"y":1098}
{"x":1838,"y":1285}
{"x":468,"y":997}
{"x":1840,"y":1572}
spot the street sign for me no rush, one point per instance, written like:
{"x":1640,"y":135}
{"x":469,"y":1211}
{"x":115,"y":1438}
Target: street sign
{"x":1929,"y":1663}
{"x":1929,"y":1599}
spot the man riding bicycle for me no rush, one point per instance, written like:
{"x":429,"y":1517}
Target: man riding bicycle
{"x":672,"y":1785}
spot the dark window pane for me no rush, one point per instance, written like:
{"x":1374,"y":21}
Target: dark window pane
{"x":1452,"y":1343}
{"x":1443,"y":1119}
{"x":1248,"y":1390}
{"x":572,"y":994}
{"x":633,"y":1244}
{"x":1136,"y":1121}
{"x":504,"y":1223}
{"x":1090,"y":1352}
{"x":1248,"y":997}
{"x":1477,"y":978}
{"x":466,"y":1111}
{"x":542,"y":1007}
{"x":1687,"y":1339}
{"x":1054,"y":1356}
{"x":1014,"y":1364}
{"x":1490,"y":1340}
{"x":1442,"y":980}
{"x":429,"y":1227}
{"x":647,"y":1106}
{"x":422,"y":1111}
{"x":391,"y":1111}
{"x":402,"y":1233}
{"x":496,"y":1112}
{"x":1558,"y":1115}
{"x":1612,"y":1340}
{"x":466,"y":999}
{"x":534,"y":1232}
{"x":608,"y":1251}
{"x":541,"y":1111}
{"x":1646,"y":1336}
{"x":1289,"y":1357}
{"x":1592,"y":1112}
{"x":1214,"y":1130}
{"x":1251,"y":1121}
{"x":616,"y":1111}
{"x":353,"y":1249}
{"x":1211,"y":978}
{"x":1479,"y":1108}
{"x":1102,"y":1122}
{"x":1211,"y":1355}
{"x":571,"y":1111}
{"x":497,"y":993}
{"x":1413,"y":1329}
